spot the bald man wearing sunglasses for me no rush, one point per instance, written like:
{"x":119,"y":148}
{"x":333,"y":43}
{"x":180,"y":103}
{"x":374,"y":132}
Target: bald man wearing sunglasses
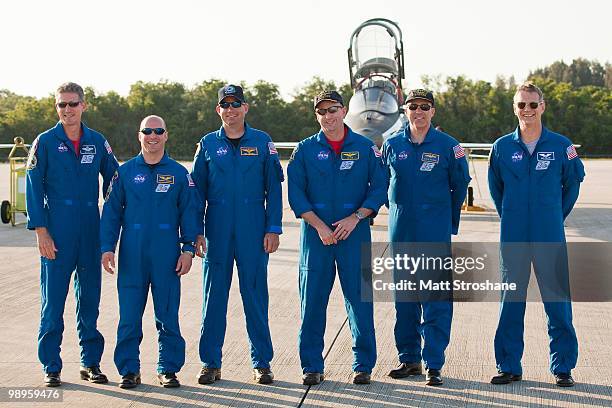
{"x":153,"y":202}
{"x":534,"y":180}
{"x":428,"y":184}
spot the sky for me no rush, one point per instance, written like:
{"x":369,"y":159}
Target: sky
{"x":111,"y":44}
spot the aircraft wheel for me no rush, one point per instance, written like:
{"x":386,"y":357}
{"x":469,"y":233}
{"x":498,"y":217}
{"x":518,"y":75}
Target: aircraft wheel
{"x":5,"y":212}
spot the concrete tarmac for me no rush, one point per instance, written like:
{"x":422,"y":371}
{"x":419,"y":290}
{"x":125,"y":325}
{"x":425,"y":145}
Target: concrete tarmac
{"x":469,"y":359}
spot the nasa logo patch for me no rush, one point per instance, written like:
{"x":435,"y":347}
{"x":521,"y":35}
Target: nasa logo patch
{"x":323,"y":155}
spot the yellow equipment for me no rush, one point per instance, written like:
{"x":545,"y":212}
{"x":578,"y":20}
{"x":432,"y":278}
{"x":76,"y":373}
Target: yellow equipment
{"x":17,"y":201}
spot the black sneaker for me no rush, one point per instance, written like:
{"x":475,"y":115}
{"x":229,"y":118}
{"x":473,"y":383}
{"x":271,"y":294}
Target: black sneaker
{"x":52,"y":379}
{"x":209,"y":375}
{"x":505,"y":378}
{"x":405,"y":370}
{"x":433,"y":377}
{"x":168,"y":380}
{"x":263,"y":375}
{"x":130,"y":380}
{"x":564,"y":380}
{"x":312,"y":378}
{"x":93,"y":375}
{"x":359,"y":377}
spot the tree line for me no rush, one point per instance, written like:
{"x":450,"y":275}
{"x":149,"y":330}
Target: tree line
{"x":578,"y":101}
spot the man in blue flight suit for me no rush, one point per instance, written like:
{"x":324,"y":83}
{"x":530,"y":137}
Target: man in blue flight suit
{"x":534,"y":180}
{"x":238,"y":175}
{"x":336,"y":181}
{"x":154,"y":203}
{"x":62,"y":191}
{"x":428,"y":183}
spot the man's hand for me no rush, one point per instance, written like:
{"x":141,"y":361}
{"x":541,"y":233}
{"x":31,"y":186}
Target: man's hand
{"x":344,"y":227}
{"x":200,"y":246}
{"x":326,"y":235}
{"x":46,"y":246}
{"x":108,"y":262}
{"x":270,"y":243}
{"x":183,"y":264}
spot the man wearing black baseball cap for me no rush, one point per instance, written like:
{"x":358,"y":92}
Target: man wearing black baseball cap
{"x":336,"y":182}
{"x":238,"y":175}
{"x":428,"y":183}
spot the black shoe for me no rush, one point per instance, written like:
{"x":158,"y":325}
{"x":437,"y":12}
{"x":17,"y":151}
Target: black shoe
{"x":359,"y":377}
{"x":505,"y":378}
{"x":53,"y":379}
{"x":130,"y":380}
{"x":564,"y":380}
{"x":406,"y":369}
{"x":93,"y":375}
{"x":263,"y":375}
{"x":433,"y":377}
{"x":209,"y":375}
{"x":312,"y":378}
{"x":168,"y":380}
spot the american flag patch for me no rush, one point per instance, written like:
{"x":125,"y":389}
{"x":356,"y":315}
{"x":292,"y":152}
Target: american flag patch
{"x":190,"y":180}
{"x":108,"y":148}
{"x":459,"y":152}
{"x":272,"y":148}
{"x":571,"y":152}
{"x":377,"y":152}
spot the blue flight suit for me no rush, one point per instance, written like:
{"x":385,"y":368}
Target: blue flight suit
{"x":156,"y":209}
{"x":428,"y":184}
{"x":241,"y":188}
{"x":334,"y":187}
{"x":533,"y":194}
{"x":62,"y":189}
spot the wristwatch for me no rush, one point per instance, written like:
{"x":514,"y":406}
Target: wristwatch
{"x":360,"y":216}
{"x":189,"y":248}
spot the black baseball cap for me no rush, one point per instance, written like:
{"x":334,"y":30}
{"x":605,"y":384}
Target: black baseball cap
{"x":420,"y":94}
{"x":231,"y":90}
{"x":328,"y":96}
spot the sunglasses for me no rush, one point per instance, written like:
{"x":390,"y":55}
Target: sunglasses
{"x":424,"y":106}
{"x":532,"y":105}
{"x":234,"y":104}
{"x":157,"y":131}
{"x":62,"y":105}
{"x":331,"y":109}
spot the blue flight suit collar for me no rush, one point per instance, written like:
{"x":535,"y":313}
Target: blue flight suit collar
{"x":516,"y":137}
{"x":350,"y":138}
{"x":60,"y":133}
{"x":221,"y":135}
{"x":429,"y":136}
{"x":141,"y":161}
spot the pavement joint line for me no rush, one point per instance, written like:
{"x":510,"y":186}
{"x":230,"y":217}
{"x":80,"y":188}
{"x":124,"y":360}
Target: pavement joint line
{"x":324,"y":357}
